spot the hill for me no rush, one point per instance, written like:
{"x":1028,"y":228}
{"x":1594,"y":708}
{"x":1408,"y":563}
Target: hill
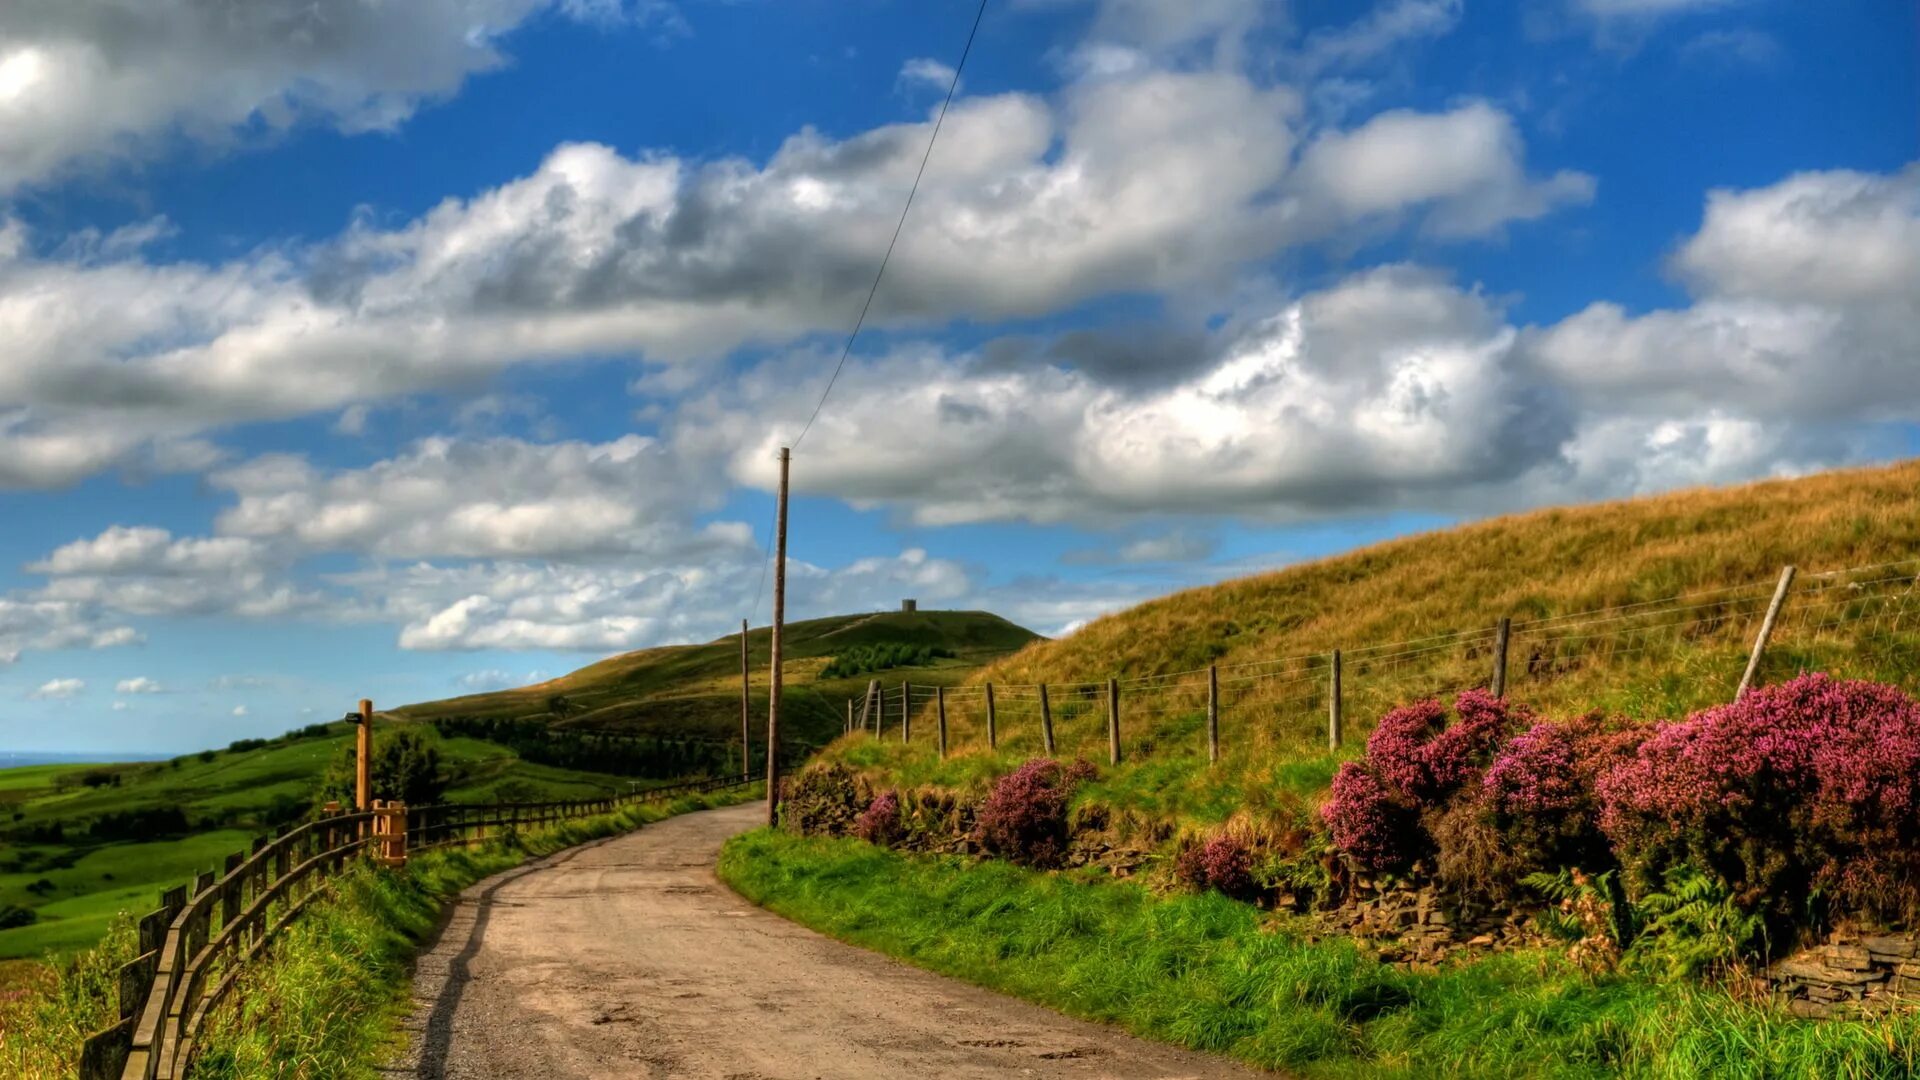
{"x":693,"y":691}
{"x":1644,"y":607}
{"x":79,"y":843}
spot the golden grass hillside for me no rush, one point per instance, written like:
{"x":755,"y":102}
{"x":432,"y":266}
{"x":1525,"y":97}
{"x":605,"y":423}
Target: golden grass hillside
{"x":1644,"y":607}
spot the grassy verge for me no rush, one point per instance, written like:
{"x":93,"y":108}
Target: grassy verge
{"x":1216,"y":975}
{"x":328,"y":1000}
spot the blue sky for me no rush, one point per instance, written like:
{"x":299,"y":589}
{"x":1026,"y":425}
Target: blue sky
{"x":396,"y":350}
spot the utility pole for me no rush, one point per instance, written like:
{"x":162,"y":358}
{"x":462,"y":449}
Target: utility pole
{"x":746,"y":683}
{"x":779,"y":620}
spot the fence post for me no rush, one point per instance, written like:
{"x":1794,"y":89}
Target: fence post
{"x":1502,"y":637}
{"x":940,"y":697}
{"x":849,"y":728}
{"x":866,"y":705}
{"x":993,"y":738}
{"x":1113,"y":721}
{"x":879,"y":705}
{"x":1766,"y":630}
{"x":1046,"y":720}
{"x":1333,"y":703}
{"x":906,"y":712}
{"x":1213,"y":713}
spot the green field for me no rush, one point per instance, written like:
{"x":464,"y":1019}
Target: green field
{"x":75,"y":883}
{"x":53,"y":863}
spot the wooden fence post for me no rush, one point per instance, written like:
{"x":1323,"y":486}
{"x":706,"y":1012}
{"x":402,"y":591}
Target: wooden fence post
{"x":993,"y":738}
{"x":363,"y":758}
{"x":940,"y":698}
{"x":879,"y":705}
{"x":1766,"y":630}
{"x":906,"y":712}
{"x":1502,"y":637}
{"x":849,"y":727}
{"x":1333,"y":702}
{"x":1213,"y":713}
{"x":1113,"y":721}
{"x":1046,"y":720}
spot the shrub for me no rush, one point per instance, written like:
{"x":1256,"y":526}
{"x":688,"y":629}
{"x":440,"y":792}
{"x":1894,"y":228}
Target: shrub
{"x":1540,"y":791}
{"x":1805,"y":786}
{"x":1397,"y":749}
{"x":880,"y":822}
{"x":823,"y":800}
{"x":12,"y":916}
{"x":1024,"y":818}
{"x":1377,"y":826}
{"x":1220,"y":862}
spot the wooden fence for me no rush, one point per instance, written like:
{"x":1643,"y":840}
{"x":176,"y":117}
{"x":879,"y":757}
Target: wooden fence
{"x":196,"y":945}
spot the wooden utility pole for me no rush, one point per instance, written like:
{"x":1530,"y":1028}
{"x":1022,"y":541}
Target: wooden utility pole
{"x":1213,"y":713}
{"x":363,"y":761}
{"x":940,"y":699}
{"x":993,"y":739}
{"x":1766,"y":630}
{"x":1113,"y":721}
{"x":1333,"y":702}
{"x":746,"y":683}
{"x":1046,"y":721}
{"x":779,"y":621}
{"x":1501,"y":639}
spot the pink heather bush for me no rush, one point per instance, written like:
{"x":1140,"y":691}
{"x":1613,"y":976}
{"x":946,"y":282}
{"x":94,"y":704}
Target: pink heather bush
{"x":1416,"y":750}
{"x":1397,"y":749}
{"x":1024,"y":818}
{"x":1540,"y":791}
{"x":1810,"y":784}
{"x":880,"y":822}
{"x":1220,"y":862}
{"x":1377,"y":826}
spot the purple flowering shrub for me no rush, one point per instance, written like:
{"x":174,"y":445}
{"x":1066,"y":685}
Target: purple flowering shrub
{"x":1024,"y":818}
{"x":1810,"y":784}
{"x":880,"y":822}
{"x":1220,"y":862}
{"x":1539,"y":791}
{"x":1416,"y":762}
{"x":1376,"y":825}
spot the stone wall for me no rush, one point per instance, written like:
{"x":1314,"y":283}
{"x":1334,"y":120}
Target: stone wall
{"x":1852,"y":972}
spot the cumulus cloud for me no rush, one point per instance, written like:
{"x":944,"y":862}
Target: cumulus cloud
{"x":29,"y":622}
{"x":89,"y":82}
{"x":1148,"y":180}
{"x":58,"y":690}
{"x":138,"y":685}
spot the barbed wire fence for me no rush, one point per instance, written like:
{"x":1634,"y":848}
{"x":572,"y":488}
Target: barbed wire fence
{"x":1862,"y":620}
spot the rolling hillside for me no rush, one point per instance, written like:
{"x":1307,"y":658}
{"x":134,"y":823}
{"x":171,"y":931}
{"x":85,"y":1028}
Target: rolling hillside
{"x":1645,"y":607}
{"x":694,"y":690}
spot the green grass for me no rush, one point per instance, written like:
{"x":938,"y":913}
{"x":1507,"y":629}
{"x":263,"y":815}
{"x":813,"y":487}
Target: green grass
{"x":1215,"y":975}
{"x":76,"y":886}
{"x":328,"y":1000}
{"x":694,"y":690}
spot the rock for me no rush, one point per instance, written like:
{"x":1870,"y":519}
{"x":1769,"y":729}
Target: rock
{"x":1888,"y":949}
{"x":1481,"y":941}
{"x":1848,"y":957}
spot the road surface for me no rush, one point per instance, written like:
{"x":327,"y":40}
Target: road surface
{"x":627,"y":958}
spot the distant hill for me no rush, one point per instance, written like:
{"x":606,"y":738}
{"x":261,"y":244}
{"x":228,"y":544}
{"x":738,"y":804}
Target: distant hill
{"x":693,"y":691}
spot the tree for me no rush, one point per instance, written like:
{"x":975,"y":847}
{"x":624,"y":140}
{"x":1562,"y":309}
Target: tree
{"x":406,"y":766}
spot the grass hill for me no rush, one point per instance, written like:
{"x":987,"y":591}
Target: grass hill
{"x":1415,"y":616}
{"x":693,"y":691}
{"x":79,"y":843}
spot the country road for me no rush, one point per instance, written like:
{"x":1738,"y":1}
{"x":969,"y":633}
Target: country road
{"x":627,"y":958}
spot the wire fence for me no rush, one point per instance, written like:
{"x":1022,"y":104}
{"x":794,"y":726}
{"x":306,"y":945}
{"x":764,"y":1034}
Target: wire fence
{"x":1861,"y":621}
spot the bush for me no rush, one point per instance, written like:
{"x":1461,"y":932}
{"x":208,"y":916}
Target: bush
{"x":823,"y":800}
{"x":1377,"y":826}
{"x":12,"y":916}
{"x":1024,"y":819}
{"x":1540,"y":791}
{"x":880,"y":822}
{"x":406,"y":766}
{"x":1220,"y":862}
{"x":1415,"y":764}
{"x":1805,"y":787}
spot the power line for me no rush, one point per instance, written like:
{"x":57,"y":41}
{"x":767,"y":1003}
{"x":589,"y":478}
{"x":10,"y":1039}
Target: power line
{"x":898,"y":226}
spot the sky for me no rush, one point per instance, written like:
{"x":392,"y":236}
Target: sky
{"x":396,"y":350}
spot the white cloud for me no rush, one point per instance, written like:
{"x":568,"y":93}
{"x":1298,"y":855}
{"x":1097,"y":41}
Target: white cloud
{"x":84,"y":83}
{"x":1150,"y":180}
{"x":239,"y":710}
{"x":497,"y":679}
{"x":59,"y":690}
{"x":1380,"y":31}
{"x":1647,"y":8}
{"x":926,"y":73}
{"x":139,"y":685}
{"x":1464,"y":166}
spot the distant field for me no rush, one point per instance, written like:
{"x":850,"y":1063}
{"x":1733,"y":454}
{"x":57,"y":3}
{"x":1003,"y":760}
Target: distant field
{"x":74,"y":885}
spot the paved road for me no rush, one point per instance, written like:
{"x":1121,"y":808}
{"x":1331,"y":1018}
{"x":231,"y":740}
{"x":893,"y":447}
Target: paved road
{"x":627,"y":958}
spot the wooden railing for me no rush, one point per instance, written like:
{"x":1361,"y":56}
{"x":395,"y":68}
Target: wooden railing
{"x":195,"y":946}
